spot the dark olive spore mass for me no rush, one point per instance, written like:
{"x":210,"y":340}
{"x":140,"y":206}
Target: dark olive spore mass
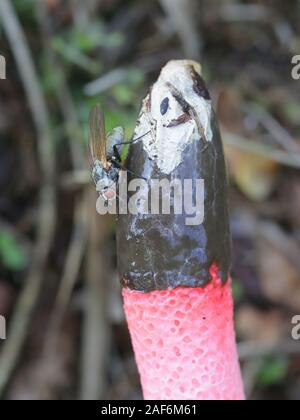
{"x":160,"y":251}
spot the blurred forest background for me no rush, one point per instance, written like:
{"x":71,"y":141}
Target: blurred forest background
{"x":66,"y":335}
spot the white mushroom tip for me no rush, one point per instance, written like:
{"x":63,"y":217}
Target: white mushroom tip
{"x":175,"y":114}
{"x":175,"y":65}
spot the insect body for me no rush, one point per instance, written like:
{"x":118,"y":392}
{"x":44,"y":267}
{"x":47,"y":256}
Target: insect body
{"x":105,"y":155}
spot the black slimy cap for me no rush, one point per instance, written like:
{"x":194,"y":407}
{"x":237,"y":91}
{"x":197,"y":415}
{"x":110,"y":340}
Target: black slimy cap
{"x":164,"y":251}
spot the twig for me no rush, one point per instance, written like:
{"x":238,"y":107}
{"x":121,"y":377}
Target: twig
{"x":182,"y":15}
{"x":95,"y":333}
{"x":95,"y":336}
{"x":105,"y":82}
{"x":80,"y":13}
{"x":286,"y":34}
{"x":71,"y":269}
{"x":20,"y":49}
{"x":252,"y":146}
{"x":77,"y":244}
{"x":244,"y":13}
{"x":83,"y":11}
{"x":281,"y":241}
{"x":62,"y":91}
{"x":27,"y":300}
{"x":46,"y":217}
{"x":279,"y":133}
{"x":255,"y":349}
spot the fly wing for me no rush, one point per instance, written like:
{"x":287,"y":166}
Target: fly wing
{"x":97,"y":137}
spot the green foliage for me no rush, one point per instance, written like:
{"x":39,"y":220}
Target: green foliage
{"x":24,"y":7}
{"x":117,"y":117}
{"x":291,"y":112}
{"x":72,"y":54}
{"x":93,"y":37}
{"x":75,"y":45}
{"x":12,"y":255}
{"x":125,"y":93}
{"x":273,"y":372}
{"x":50,"y":79}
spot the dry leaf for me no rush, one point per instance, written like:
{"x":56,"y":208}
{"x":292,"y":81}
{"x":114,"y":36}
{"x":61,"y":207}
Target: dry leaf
{"x":280,"y":280}
{"x":255,"y":175}
{"x":229,"y":110}
{"x":256,"y":325}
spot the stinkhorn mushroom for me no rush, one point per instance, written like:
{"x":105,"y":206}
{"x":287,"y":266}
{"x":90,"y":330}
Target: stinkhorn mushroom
{"x":175,"y":271}
{"x":173,"y":239}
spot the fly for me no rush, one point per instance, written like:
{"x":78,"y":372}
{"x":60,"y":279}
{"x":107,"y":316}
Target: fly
{"x":105,"y":155}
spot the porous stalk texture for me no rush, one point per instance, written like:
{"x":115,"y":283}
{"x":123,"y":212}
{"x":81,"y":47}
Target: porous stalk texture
{"x":184,"y":342}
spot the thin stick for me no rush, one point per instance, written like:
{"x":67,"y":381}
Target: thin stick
{"x":105,"y":82}
{"x":20,"y":49}
{"x":62,"y":91}
{"x":95,"y":335}
{"x":255,"y":349}
{"x":77,"y":244}
{"x":182,"y":16}
{"x":46,"y":216}
{"x":72,"y":265}
{"x":285,"y":243}
{"x":279,"y":133}
{"x":244,"y":13}
{"x":83,"y":12}
{"x":252,"y":146}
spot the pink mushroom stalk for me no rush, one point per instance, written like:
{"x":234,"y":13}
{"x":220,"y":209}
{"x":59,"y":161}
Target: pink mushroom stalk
{"x":174,"y":268}
{"x":184,"y":342}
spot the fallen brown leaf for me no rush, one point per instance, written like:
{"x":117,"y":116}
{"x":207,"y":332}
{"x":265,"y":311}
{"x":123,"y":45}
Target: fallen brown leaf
{"x":280,"y":280}
{"x":254,"y":175}
{"x":256,"y":325}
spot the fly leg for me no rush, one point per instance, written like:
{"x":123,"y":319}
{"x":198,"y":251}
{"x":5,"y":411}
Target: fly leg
{"x":122,"y":167}
{"x":116,"y":158}
{"x":117,"y":155}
